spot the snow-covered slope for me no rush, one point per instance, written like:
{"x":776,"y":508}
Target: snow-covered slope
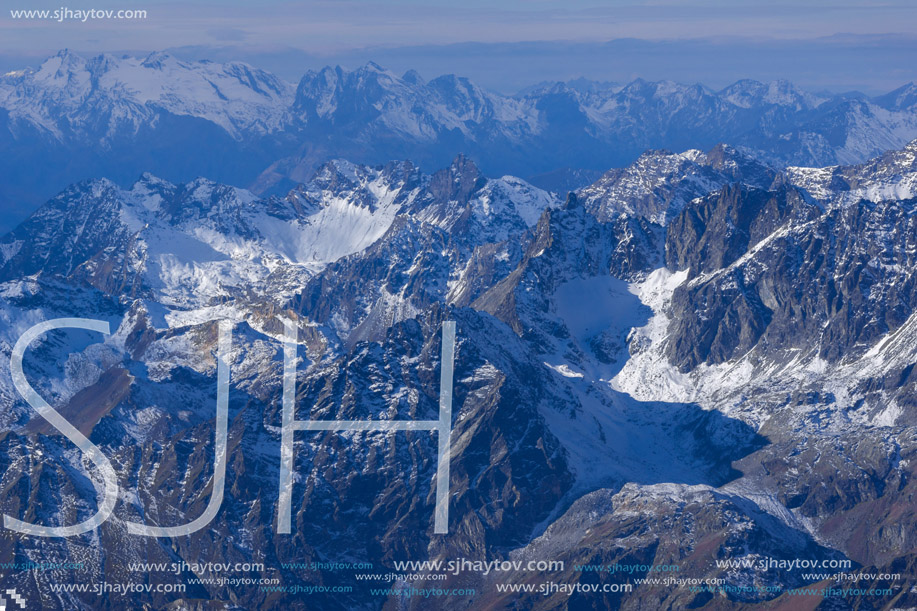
{"x":69,"y":96}
{"x":191,"y":245}
{"x":407,"y":106}
{"x":892,"y":176}
{"x":659,"y":184}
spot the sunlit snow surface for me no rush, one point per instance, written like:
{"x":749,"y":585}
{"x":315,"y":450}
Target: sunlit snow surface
{"x":234,"y":96}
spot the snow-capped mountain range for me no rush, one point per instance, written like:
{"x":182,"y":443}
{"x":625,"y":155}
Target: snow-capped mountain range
{"x":103,"y":97}
{"x":75,"y":118}
{"x":193,"y":244}
{"x":698,"y":357}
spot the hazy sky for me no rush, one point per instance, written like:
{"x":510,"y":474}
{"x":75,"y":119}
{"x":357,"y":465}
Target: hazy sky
{"x":330,"y":31}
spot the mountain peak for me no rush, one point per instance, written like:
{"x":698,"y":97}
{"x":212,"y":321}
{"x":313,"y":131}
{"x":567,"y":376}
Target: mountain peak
{"x":63,"y":61}
{"x":148,"y":178}
{"x":372,"y":66}
{"x":902,"y":98}
{"x":458,"y":181}
{"x":413,"y":77}
{"x":340,"y":169}
{"x":66,"y":54}
{"x":156,"y":60}
{"x":464,"y":168}
{"x":572,"y":202}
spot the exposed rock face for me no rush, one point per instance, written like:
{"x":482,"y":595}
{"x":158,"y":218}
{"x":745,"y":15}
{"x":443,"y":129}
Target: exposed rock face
{"x":774,"y":271}
{"x":715,"y":366}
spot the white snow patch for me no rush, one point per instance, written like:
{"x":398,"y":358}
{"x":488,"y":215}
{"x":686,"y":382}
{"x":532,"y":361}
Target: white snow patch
{"x":564,"y":370}
{"x":9,"y":250}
